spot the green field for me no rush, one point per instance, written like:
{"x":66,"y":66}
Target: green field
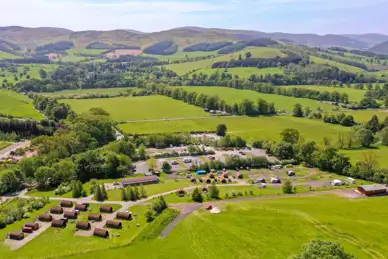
{"x":380,"y":152}
{"x":180,"y":55}
{"x":89,"y":91}
{"x":354,"y":94}
{"x":272,"y":229}
{"x":243,"y":72}
{"x":257,"y":52}
{"x":33,"y":72}
{"x":333,"y":63}
{"x":6,"y":55}
{"x":17,"y":105}
{"x":139,"y":108}
{"x":247,"y":127}
{"x":366,"y":115}
{"x":231,"y":96}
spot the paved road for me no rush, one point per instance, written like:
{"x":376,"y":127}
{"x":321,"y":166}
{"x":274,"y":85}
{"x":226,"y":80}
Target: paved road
{"x":6,"y":151}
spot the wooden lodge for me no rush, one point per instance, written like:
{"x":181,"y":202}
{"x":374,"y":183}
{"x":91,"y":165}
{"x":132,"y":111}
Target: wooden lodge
{"x":100,"y":232}
{"x":58,"y":223}
{"x":114,"y":224}
{"x":66,"y":204}
{"x":83,"y":225}
{"x":72,"y":214}
{"x":16,"y":236}
{"x":106,"y":209}
{"x":95,"y":217}
{"x":56,"y":210}
{"x":45,"y":218}
{"x":124,"y":215}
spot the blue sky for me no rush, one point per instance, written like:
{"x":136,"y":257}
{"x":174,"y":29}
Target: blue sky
{"x":296,"y":16}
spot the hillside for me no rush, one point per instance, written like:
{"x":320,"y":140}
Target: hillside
{"x":183,"y":37}
{"x":381,"y":48}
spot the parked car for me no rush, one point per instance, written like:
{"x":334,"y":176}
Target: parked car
{"x":337,"y":182}
{"x":116,"y":183}
{"x":211,"y":157}
{"x":277,"y":167}
{"x":263,"y":185}
{"x":350,"y":180}
{"x":290,"y":173}
{"x":241,"y":153}
{"x":275,"y":180}
{"x":260,"y":180}
{"x":187,"y":160}
{"x":174,"y":162}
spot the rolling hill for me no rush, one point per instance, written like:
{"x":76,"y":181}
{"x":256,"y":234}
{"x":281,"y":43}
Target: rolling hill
{"x":381,"y":48}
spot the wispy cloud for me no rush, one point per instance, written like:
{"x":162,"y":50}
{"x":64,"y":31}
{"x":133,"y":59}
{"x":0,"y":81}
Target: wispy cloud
{"x":154,"y":15}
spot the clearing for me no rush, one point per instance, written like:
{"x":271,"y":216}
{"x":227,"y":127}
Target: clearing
{"x":333,"y":63}
{"x":231,"y":96}
{"x":354,"y":94}
{"x":357,"y":155}
{"x":18,"y":105}
{"x":257,"y":52}
{"x":139,"y":108}
{"x":247,"y":127}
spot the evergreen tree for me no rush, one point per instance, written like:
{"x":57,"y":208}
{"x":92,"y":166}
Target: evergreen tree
{"x":104,"y":192}
{"x":297,"y":111}
{"x":131,"y":194}
{"x":143,"y":192}
{"x":287,"y":187}
{"x":76,"y":192}
{"x":149,"y":215}
{"x":124,"y":196}
{"x":197,"y":196}
{"x":214,"y":192}
{"x":137,"y":193}
{"x":98,"y":196}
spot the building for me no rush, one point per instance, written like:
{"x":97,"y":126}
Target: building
{"x":140,"y":180}
{"x":373,"y":189}
{"x":200,"y":172}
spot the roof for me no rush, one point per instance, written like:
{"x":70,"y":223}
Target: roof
{"x":373,"y":187}
{"x":139,"y":180}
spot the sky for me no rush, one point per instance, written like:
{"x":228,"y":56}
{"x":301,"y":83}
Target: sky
{"x":293,"y":16}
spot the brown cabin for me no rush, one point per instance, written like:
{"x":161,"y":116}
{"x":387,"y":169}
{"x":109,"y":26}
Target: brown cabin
{"x":193,"y":180}
{"x":70,"y":214}
{"x":16,"y":235}
{"x":373,"y":189}
{"x":223,"y":180}
{"x":114,"y":224}
{"x":27,"y":230}
{"x":106,"y":209}
{"x":83,"y":225}
{"x":34,"y":226}
{"x":45,"y":218}
{"x":124,"y":215}
{"x":81,"y":207}
{"x":58,"y":223}
{"x":100,"y":232}
{"x":95,"y":217}
{"x":67,"y":204}
{"x":212,"y":176}
{"x":56,"y":210}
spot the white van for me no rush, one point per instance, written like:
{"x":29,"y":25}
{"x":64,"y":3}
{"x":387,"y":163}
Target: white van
{"x":350,"y":180}
{"x":337,"y":182}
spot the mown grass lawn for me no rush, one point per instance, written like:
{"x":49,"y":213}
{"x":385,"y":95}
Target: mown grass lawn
{"x":231,"y":96}
{"x":366,"y":115}
{"x":139,"y":108}
{"x":275,"y":228}
{"x":56,"y":244}
{"x":357,"y":155}
{"x":247,"y":127}
{"x":89,"y":91}
{"x":17,"y":105}
{"x":354,"y":94}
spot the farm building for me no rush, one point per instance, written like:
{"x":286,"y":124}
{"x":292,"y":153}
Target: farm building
{"x":83,"y":225}
{"x":106,"y":209}
{"x":45,"y":218}
{"x":66,"y":204}
{"x":100,"y":232}
{"x":16,"y":235}
{"x":140,"y":180}
{"x":81,"y":207}
{"x":114,"y":224}
{"x":71,"y":214}
{"x":56,"y":210}
{"x":58,"y":223}
{"x":200,"y":172}
{"x":124,"y":215}
{"x":95,"y":217}
{"x":34,"y":226}
{"x":373,"y":189}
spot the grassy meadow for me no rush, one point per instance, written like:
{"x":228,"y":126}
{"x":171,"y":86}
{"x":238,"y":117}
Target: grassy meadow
{"x":231,"y":95}
{"x":257,"y":52}
{"x":354,"y":94}
{"x":275,"y":228}
{"x":333,"y":63}
{"x":380,"y":152}
{"x":366,"y":115}
{"x":6,"y":55}
{"x":180,"y":55}
{"x":17,"y":105}
{"x":247,"y":127}
{"x":33,"y":72}
{"x":243,"y":72}
{"x":139,"y":108}
{"x":66,"y":93}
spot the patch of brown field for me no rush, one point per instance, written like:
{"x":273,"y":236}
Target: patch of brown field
{"x":122,"y":52}
{"x":53,"y":56}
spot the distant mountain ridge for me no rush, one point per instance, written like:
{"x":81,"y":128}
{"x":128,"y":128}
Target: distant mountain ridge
{"x":380,"y":48}
{"x":184,"y":36}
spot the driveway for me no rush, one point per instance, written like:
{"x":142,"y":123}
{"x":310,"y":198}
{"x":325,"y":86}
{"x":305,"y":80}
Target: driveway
{"x":6,"y":151}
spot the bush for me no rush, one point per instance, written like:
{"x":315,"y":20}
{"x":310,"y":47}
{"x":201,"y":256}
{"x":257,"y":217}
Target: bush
{"x":197,"y":196}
